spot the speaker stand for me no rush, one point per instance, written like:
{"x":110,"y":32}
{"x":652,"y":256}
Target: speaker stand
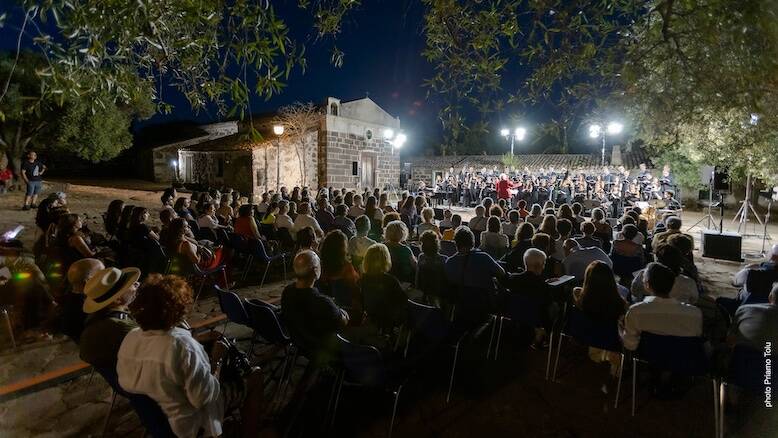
{"x":742,"y":213}
{"x":765,"y":236}
{"x":709,"y":216}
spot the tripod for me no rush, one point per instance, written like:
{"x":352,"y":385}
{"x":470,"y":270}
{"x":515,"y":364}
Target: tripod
{"x":766,"y":236}
{"x":745,"y":207}
{"x":709,"y":215}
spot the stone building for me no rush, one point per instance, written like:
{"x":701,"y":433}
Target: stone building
{"x":347,"y":149}
{"x":165,"y":158}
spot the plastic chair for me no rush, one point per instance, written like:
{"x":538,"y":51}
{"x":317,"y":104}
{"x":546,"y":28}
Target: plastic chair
{"x":151,"y":415}
{"x":363,"y":365}
{"x":429,"y":325}
{"x":591,"y":333}
{"x":683,"y":355}
{"x":524,"y":309}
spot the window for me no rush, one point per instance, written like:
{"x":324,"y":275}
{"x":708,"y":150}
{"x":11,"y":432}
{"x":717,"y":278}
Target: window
{"x":334,"y":109}
{"x":369,"y":134}
{"x":220,"y":167}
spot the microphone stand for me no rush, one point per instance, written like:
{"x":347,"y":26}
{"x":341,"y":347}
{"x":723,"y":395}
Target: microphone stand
{"x":766,"y":220}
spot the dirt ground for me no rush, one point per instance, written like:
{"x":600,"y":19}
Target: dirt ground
{"x":509,"y":397}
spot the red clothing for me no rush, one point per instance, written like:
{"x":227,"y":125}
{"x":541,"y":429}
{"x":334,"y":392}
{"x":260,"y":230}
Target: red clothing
{"x":503,"y":189}
{"x":6,"y":174}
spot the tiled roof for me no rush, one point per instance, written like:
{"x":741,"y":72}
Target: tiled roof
{"x":631,"y":160}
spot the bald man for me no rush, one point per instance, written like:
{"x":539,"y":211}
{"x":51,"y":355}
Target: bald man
{"x":312,"y":318}
{"x":71,"y":314}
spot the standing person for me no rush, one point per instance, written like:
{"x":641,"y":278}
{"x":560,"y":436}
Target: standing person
{"x":32,"y":174}
{"x":5,"y":178}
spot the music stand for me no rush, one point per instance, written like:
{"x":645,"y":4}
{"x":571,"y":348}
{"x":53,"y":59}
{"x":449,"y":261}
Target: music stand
{"x":745,"y":207}
{"x":709,"y":216}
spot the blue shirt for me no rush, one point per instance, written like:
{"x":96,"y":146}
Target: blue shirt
{"x":475,"y":269}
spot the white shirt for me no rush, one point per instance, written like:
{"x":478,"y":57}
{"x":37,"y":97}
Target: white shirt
{"x":172,"y":368}
{"x":684,"y":289}
{"x":356,"y":211}
{"x":206,"y":221}
{"x":305,"y":220}
{"x":284,"y":221}
{"x":576,"y":263}
{"x":660,"y":316}
{"x":358,"y":245}
{"x":262,"y":207}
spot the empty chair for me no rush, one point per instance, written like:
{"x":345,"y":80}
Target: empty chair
{"x":363,"y":365}
{"x":591,"y":333}
{"x":682,"y":355}
{"x":429,"y":327}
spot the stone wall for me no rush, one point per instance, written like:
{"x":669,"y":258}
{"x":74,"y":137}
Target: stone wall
{"x":339,"y":150}
{"x":297,"y":157}
{"x":220,"y":169}
{"x":163,"y":157}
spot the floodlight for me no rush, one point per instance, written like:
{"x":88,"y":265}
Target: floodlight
{"x":754,"y":119}
{"x":278,"y":129}
{"x":388,"y":134}
{"x":614,"y":128}
{"x":520,"y":133}
{"x":400,"y":140}
{"x":504,"y":132}
{"x":595,"y":130}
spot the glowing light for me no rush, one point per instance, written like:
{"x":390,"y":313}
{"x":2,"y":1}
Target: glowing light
{"x":595,"y":130}
{"x":614,"y":128}
{"x":174,"y":163}
{"x":22,"y":276}
{"x":278,"y":129}
{"x":519,"y":133}
{"x":505,"y":132}
{"x":388,"y":134}
{"x":754,"y":119}
{"x":400,"y":140}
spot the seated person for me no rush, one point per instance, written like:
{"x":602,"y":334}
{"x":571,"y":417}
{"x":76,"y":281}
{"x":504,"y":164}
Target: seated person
{"x":208,"y":219}
{"x":23,"y":286}
{"x":577,"y":259}
{"x":356,"y":209}
{"x":447,"y":219}
{"x":625,"y":244}
{"x":245,"y":225}
{"x":385,"y":301}
{"x":72,"y":243}
{"x":456,"y":222}
{"x":478,"y":223}
{"x":493,"y":242}
{"x":535,"y":216}
{"x":470,"y":267}
{"x":283,"y":220}
{"x":183,"y":208}
{"x":756,"y":324}
{"x":428,"y":222}
{"x":337,"y":271}
{"x":685,"y":244}
{"x":71,"y":316}
{"x":740,"y":279}
{"x":532,"y":283}
{"x":180,"y":243}
{"x":108,"y":293}
{"x":343,"y":223}
{"x":166,"y":215}
{"x":138,"y":230}
{"x":588,"y":239}
{"x":514,"y":259}
{"x":430,"y":272}
{"x":684,"y":288}
{"x":305,"y":220}
{"x":358,"y":245}
{"x":403,"y":260}
{"x":163,"y":361}
{"x":673,"y":224}
{"x":564,"y":228}
{"x":312,"y":318}
{"x":324,"y":215}
{"x":554,"y":268}
{"x":509,"y":228}
{"x":658,"y":313}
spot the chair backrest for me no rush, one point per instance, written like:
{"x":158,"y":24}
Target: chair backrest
{"x":268,"y":231}
{"x":239,"y":243}
{"x":474,"y":305}
{"x":207,"y":234}
{"x":427,"y":322}
{"x":759,"y":282}
{"x":448,"y":248}
{"x":195,"y":227}
{"x":680,"y":354}
{"x":747,"y":368}
{"x":151,"y":415}
{"x":265,"y":322}
{"x":340,"y":291}
{"x":285,"y":237}
{"x":415,"y":249}
{"x":593,"y":333}
{"x":157,"y":260}
{"x":625,"y":266}
{"x":232,"y":306}
{"x":363,"y":364}
{"x":525,"y":308}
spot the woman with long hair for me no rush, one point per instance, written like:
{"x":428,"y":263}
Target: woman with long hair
{"x":112,"y":215}
{"x":338,"y":272}
{"x":124,"y":222}
{"x":493,"y":242}
{"x":384,"y":299}
{"x":403,"y":260}
{"x":72,"y":243}
{"x":138,"y":228}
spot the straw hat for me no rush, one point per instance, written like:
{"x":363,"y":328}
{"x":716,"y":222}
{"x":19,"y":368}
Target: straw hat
{"x":107,"y":286}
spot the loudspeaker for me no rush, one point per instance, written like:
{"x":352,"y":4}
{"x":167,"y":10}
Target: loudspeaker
{"x":722,"y":246}
{"x":720,"y":179}
{"x":439,"y":214}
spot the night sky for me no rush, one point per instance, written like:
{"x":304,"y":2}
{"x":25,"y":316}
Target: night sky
{"x":382,"y":41}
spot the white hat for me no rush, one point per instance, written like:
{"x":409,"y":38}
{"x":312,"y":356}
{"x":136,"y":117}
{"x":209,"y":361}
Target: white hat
{"x":107,"y":286}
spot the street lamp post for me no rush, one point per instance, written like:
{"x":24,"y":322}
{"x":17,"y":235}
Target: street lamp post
{"x":278,"y":130}
{"x":517,"y":134}
{"x":595,"y":131}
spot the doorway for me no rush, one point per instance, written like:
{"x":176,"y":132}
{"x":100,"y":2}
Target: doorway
{"x":368,"y":178}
